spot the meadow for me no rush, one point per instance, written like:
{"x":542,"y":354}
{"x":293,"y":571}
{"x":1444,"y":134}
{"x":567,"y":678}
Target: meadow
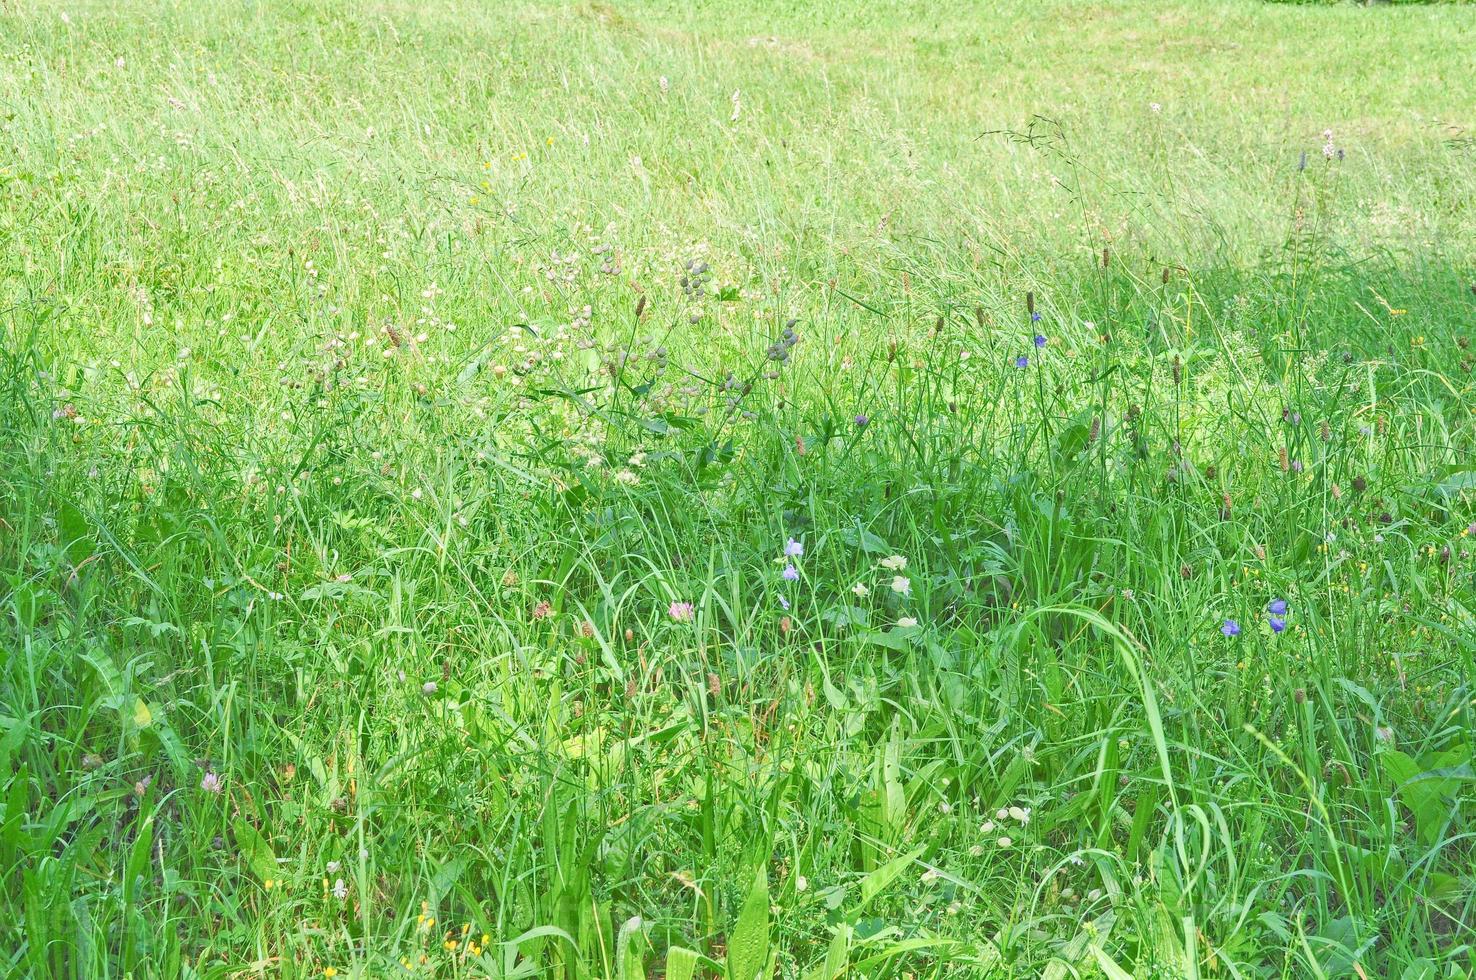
{"x":726,"y":489}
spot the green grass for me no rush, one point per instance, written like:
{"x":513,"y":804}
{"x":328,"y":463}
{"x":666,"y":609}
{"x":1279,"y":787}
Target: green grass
{"x":380,"y":379}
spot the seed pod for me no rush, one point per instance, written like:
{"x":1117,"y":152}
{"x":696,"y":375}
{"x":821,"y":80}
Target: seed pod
{"x":1030,"y":303}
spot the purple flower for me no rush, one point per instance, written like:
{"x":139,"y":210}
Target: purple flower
{"x":681,"y":611}
{"x":793,"y":548}
{"x":1231,"y":628}
{"x":1034,"y":317}
{"x":212,"y":783}
{"x":1040,"y":340}
{"x":862,"y":421}
{"x":790,"y":573}
{"x":1277,"y":624}
{"x":1277,"y":607}
{"x":784,"y":603}
{"x":1022,"y":361}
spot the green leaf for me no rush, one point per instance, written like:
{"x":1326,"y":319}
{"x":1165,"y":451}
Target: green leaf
{"x":836,"y":957}
{"x":681,"y":963}
{"x":1109,"y":965}
{"x":748,"y":949}
{"x":255,"y":850}
{"x":876,"y":882}
{"x":1428,"y":794}
{"x":859,"y":537}
{"x":898,"y":640}
{"x":842,"y":616}
{"x":75,"y":533}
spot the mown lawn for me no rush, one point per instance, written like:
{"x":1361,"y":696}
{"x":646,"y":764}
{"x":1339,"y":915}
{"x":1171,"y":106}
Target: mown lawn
{"x":728,"y":489}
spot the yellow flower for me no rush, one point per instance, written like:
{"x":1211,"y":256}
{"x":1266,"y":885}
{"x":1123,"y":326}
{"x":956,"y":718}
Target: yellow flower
{"x":330,"y":971}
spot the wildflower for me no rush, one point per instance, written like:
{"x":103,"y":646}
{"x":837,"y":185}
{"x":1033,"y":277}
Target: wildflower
{"x":1384,"y":734}
{"x":429,"y":688}
{"x":784,"y":603}
{"x":330,"y":971}
{"x":1022,"y":361}
{"x":860,"y":590}
{"x":793,"y":548}
{"x":681,"y":611}
{"x":1230,"y":628}
{"x":1154,"y":107}
{"x":1034,"y":317}
{"x":906,"y":622}
{"x":1020,"y":814}
{"x":894,"y":563}
{"x":987,"y":827}
{"x":340,"y":890}
{"x":801,"y":883}
{"x":901,"y":585}
{"x":790,"y":573}
{"x":1277,"y":607}
{"x":862,"y":421}
{"x":1040,"y":341}
{"x":333,"y":867}
{"x":1005,"y":842}
{"x":1277,"y":624}
{"x":211,"y":783}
